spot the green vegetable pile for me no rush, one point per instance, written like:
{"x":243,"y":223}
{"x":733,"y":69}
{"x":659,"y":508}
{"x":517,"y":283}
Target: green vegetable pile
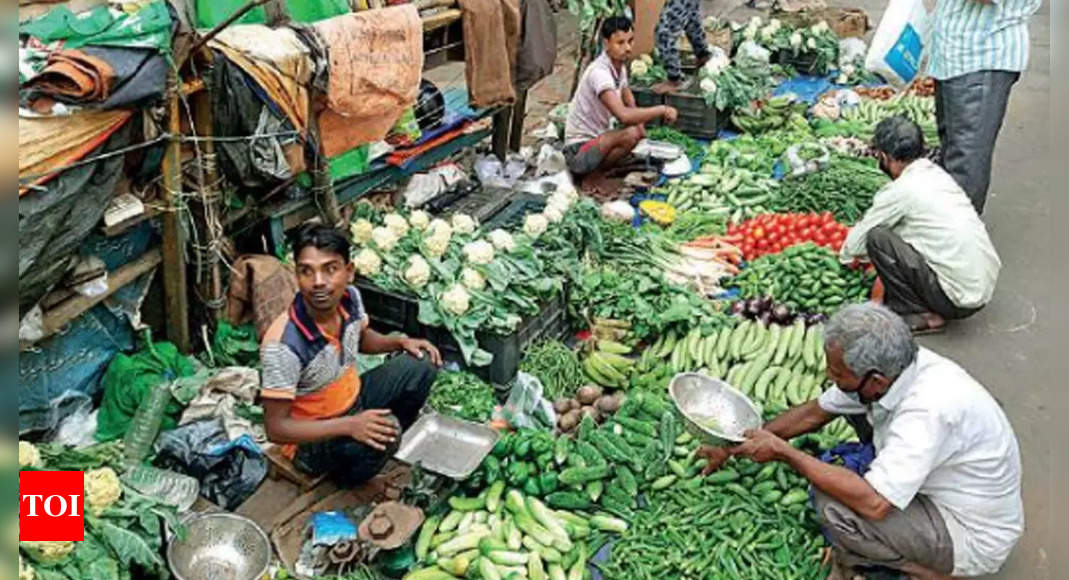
{"x":845,"y":187}
{"x":556,"y":366}
{"x":805,"y":278}
{"x":462,"y":395}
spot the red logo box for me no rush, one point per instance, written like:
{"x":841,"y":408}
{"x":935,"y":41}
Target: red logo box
{"x":51,"y":506}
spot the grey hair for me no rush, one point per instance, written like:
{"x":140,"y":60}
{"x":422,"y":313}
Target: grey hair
{"x":900,"y":138}
{"x":872,"y":337}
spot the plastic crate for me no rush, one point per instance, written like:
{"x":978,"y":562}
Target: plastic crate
{"x":804,"y":63}
{"x":696,"y":118}
{"x":480,"y":204}
{"x":551,"y":322}
{"x":644,"y":97}
{"x":511,"y":216}
{"x":389,"y":311}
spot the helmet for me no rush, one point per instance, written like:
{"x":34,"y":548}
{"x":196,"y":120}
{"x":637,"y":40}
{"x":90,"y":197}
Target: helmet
{"x":430,"y":106}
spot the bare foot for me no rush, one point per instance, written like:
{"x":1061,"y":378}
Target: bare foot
{"x":667,"y":87}
{"x":925,"y":323}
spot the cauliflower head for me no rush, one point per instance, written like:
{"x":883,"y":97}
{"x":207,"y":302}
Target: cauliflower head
{"x":25,"y":570}
{"x":463,"y":223}
{"x":820,"y":27}
{"x":639,"y":68}
{"x":479,"y":252}
{"x":796,"y":40}
{"x":708,"y":86}
{"x":436,"y":245}
{"x":564,"y":199}
{"x":361,"y":231}
{"x":440,"y":227}
{"x":419,"y":219}
{"x":456,"y":300}
{"x":646,"y":58}
{"x":384,"y":238}
{"x":472,"y":279}
{"x":102,"y":489}
{"x":48,"y":552}
{"x":29,"y":456}
{"x":368,"y":263}
{"x":396,"y":223}
{"x":811,"y":43}
{"x":535,"y":225}
{"x":418,"y":272}
{"x":502,"y":240}
{"x":553,"y":214}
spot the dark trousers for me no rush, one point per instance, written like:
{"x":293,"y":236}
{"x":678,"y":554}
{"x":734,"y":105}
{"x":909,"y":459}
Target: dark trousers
{"x":679,"y":16}
{"x":910,"y":285}
{"x":970,"y":109}
{"x":401,"y":385}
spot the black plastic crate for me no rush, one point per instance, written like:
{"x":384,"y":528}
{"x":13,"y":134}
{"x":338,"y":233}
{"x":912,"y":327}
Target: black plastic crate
{"x":511,"y":216}
{"x":480,"y":204}
{"x":551,"y":322}
{"x":390,"y":311}
{"x":696,"y":118}
{"x":804,"y":63}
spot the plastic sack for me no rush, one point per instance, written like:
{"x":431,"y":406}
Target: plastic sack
{"x":228,"y":471}
{"x":802,"y":165}
{"x":619,"y":210}
{"x":525,"y":406}
{"x":900,"y":42}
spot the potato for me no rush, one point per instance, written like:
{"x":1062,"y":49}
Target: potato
{"x":608,"y":404}
{"x":562,"y":406}
{"x":588,"y":394}
{"x":570,"y":420}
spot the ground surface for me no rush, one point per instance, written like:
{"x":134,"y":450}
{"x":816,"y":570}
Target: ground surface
{"x":1017,"y":346}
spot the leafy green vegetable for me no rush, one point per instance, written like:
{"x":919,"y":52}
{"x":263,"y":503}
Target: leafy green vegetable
{"x":462,"y":395}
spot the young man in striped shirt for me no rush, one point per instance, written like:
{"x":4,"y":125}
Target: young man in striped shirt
{"x":979,"y":50}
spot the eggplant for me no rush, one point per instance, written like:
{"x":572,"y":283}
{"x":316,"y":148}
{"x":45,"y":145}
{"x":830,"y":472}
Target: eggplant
{"x":781,"y":314}
{"x":765,"y":303}
{"x":753,"y":307}
{"x":815,"y":318}
{"x":765,"y":317}
{"x":738,"y":308}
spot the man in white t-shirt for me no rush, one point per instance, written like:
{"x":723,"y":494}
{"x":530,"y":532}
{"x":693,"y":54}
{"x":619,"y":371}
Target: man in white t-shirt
{"x":604,"y":94}
{"x":943,"y":494}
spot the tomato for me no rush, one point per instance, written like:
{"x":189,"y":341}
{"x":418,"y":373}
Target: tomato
{"x":762,"y":244}
{"x":827,"y":217}
{"x":807,"y":233}
{"x":758,"y":233}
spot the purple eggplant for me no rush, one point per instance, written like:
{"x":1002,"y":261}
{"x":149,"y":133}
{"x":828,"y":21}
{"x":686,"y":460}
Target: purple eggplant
{"x":738,"y":308}
{"x":765,"y":303}
{"x":815,"y":318}
{"x":781,"y":314}
{"x":764,"y":318}
{"x":753,"y":307}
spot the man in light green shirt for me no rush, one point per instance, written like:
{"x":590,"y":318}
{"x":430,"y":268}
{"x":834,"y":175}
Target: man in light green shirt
{"x":929,"y":246}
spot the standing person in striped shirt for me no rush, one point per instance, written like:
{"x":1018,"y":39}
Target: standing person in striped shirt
{"x":979,"y":50}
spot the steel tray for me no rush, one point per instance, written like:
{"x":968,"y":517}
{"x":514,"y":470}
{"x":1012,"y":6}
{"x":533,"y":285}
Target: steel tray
{"x":446,"y":445}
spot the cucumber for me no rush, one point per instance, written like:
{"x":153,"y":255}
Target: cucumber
{"x":737,"y":336}
{"x":723,"y":341}
{"x":757,"y":367}
{"x":782,"y":380}
{"x":797,"y":337}
{"x":785,"y":339}
{"x":761,"y":386}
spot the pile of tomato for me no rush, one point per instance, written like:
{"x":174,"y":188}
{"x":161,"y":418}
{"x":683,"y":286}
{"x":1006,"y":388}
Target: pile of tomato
{"x":771,"y":233}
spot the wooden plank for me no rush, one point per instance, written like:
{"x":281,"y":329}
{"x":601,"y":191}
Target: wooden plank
{"x":62,"y":315}
{"x":443,"y":18}
{"x":174,"y":264}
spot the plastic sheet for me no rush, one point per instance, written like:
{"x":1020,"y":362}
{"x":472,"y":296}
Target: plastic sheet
{"x":228,"y":471}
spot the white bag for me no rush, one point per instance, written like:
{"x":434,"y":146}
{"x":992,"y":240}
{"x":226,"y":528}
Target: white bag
{"x":900,"y":42}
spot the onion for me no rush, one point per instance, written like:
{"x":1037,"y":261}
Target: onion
{"x":588,"y":394}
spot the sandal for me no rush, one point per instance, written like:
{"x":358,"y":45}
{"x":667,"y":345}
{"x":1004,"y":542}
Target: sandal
{"x":925,"y":323}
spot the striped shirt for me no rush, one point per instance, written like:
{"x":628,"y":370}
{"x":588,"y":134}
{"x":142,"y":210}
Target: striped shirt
{"x":969,"y":36}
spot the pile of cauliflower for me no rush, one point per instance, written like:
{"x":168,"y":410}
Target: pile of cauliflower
{"x":718,"y":62}
{"x":640,"y":67}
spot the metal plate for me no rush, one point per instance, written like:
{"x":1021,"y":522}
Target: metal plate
{"x":445,"y":445}
{"x":657,"y":150}
{"x":712,"y":409}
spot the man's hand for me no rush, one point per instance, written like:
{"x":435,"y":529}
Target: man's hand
{"x":417,"y":346}
{"x":374,"y":428}
{"x":761,"y":446}
{"x":715,"y":456}
{"x":670,"y":115}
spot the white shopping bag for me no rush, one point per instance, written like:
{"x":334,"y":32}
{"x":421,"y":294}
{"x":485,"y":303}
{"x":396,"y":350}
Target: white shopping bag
{"x":900,"y":42}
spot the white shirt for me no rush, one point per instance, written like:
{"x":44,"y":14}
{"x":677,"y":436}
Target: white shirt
{"x":930,"y":212}
{"x":939,"y":433}
{"x":588,"y":117}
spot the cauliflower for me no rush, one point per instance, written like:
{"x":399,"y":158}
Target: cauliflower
{"x":535,"y":225}
{"x":775,"y":24}
{"x":639,"y":68}
{"x":811,"y":43}
{"x":553,"y":214}
{"x":436,"y":245}
{"x":716,"y":64}
{"x":557,"y":206}
{"x":440,"y":227}
{"x":563,"y":198}
{"x":418,"y":272}
{"x":419,"y":219}
{"x":48,"y":552}
{"x":796,"y":40}
{"x":102,"y":489}
{"x":368,"y":263}
{"x":767,"y":33}
{"x":479,"y":252}
{"x":456,"y":300}
{"x":755,"y":21}
{"x":463,"y":223}
{"x":472,"y":279}
{"x":820,"y":27}
{"x":646,"y":58}
{"x":361,"y":231}
{"x":385,"y":238}
{"x":25,"y":570}
{"x":29,"y":456}
{"x":502,"y":240}
{"x":708,"y":86}
{"x":750,"y":33}
{"x":396,"y":223}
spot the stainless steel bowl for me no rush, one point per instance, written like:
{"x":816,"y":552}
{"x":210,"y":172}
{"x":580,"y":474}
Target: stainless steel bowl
{"x":713,"y":411}
{"x":220,"y":546}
